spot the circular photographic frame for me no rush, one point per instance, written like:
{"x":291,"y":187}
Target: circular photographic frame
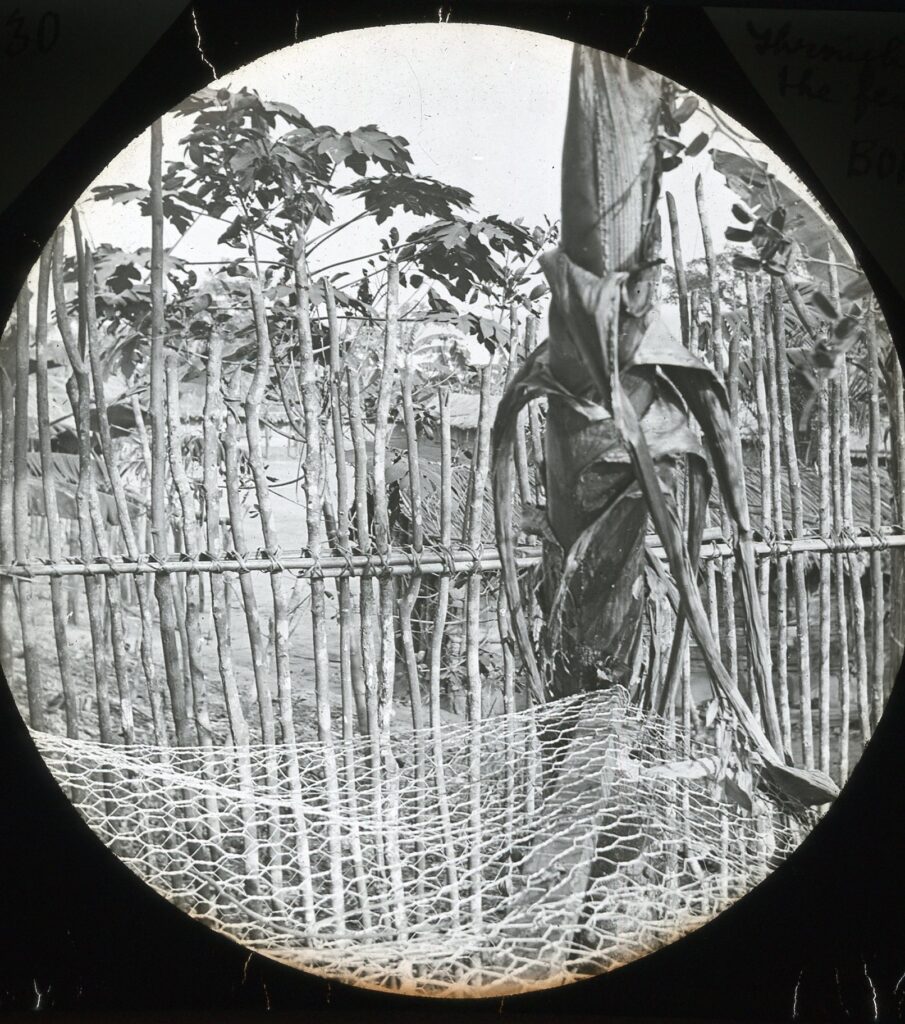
{"x":618,"y":622}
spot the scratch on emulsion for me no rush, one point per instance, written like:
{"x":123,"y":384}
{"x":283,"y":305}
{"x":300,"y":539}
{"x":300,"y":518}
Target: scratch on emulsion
{"x":839,"y":992}
{"x":39,"y":995}
{"x":896,"y":992}
{"x":200,"y":46}
{"x":644,"y":18}
{"x":873,"y":991}
{"x":795,"y":996}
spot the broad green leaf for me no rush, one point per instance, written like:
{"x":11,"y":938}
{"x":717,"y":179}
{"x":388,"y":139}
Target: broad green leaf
{"x":120,"y":193}
{"x":423,"y":196}
{"x":697,"y":144}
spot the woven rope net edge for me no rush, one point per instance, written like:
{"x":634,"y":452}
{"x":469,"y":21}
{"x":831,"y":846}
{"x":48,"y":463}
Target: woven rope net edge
{"x":521,"y":852}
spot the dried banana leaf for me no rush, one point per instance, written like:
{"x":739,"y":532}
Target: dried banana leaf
{"x":590,"y":312}
{"x":625,"y":403}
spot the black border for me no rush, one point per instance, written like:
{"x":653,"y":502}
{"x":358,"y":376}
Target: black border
{"x":79,"y":933}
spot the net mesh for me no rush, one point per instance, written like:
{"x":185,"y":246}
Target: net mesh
{"x":524,"y":851}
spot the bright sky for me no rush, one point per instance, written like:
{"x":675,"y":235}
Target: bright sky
{"x":483,"y":108}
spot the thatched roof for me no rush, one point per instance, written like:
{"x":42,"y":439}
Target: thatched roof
{"x":810,"y":493}
{"x":66,"y":466}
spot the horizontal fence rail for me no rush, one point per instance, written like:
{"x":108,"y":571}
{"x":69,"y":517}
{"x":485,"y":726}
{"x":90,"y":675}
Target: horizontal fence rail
{"x":430,"y":561}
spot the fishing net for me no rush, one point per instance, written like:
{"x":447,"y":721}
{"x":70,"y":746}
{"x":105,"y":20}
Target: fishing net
{"x":524,"y":851}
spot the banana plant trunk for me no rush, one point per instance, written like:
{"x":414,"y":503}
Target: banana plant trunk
{"x":628,"y":408}
{"x":609,"y":224}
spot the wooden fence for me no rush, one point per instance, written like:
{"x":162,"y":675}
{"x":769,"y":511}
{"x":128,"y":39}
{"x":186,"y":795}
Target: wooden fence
{"x":189,"y":618}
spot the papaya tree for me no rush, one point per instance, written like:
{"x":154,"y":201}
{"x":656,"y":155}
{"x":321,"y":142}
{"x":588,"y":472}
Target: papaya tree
{"x":284,"y":193}
{"x":629,"y":411}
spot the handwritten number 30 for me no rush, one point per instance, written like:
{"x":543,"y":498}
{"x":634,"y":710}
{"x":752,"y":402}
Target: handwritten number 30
{"x":18,"y":40}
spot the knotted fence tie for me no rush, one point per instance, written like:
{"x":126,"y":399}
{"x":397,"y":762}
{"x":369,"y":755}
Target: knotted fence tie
{"x":448,"y":560}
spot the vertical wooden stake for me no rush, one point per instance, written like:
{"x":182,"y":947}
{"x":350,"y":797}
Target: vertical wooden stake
{"x":801,"y":594}
{"x":481,"y":466}
{"x":877,"y":596}
{"x":7,"y":485}
{"x":352,"y":679}
{"x":679,"y":266}
{"x":859,"y":623}
{"x":163,"y":584}
{"x":778,"y":531}
{"x":763,"y":436}
{"x":314,"y":506}
{"x":51,"y":510}
{"x":192,"y":547}
{"x":842,"y":623}
{"x":826,"y":512}
{"x":21,"y":521}
{"x":367,"y":620}
{"x":254,"y":400}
